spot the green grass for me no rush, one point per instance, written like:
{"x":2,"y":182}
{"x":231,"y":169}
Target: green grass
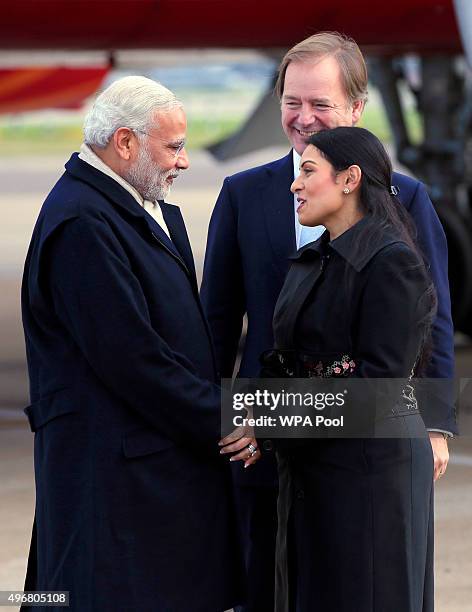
{"x":49,"y":139}
{"x":375,"y":120}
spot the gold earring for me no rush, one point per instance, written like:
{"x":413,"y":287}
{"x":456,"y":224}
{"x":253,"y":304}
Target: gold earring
{"x":346,"y":190}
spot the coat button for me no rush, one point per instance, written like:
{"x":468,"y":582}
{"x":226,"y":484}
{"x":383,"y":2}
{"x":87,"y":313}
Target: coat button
{"x":267,"y":445}
{"x":300,"y":494}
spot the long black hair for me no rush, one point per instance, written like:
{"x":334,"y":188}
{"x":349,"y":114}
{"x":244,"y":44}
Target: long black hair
{"x":346,"y":146}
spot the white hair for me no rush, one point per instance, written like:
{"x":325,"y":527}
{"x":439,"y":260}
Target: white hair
{"x":128,"y":102}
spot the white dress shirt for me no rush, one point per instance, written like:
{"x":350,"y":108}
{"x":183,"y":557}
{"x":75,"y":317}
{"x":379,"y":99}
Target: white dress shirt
{"x":303,"y":233}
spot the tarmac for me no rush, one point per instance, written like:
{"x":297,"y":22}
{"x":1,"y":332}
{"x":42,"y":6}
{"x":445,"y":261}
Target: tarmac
{"x":24,"y":183}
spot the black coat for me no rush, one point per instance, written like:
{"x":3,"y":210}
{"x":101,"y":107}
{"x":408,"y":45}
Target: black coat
{"x":133,"y":504}
{"x":250,"y":239}
{"x":355,"y":518}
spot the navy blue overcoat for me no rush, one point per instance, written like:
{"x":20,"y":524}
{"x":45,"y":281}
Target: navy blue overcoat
{"x":133,"y":504}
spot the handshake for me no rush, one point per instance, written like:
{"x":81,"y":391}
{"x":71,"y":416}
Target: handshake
{"x":241,"y":444}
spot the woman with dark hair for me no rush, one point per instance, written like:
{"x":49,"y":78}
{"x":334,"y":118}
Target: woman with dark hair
{"x":355,"y":515}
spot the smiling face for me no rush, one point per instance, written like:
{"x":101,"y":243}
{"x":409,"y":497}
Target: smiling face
{"x":314,"y":99}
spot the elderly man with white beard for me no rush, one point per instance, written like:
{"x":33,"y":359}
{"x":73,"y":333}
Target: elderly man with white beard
{"x":133,"y":504}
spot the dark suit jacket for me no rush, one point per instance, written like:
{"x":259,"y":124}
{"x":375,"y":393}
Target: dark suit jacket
{"x":133,"y":508}
{"x":250,"y":239}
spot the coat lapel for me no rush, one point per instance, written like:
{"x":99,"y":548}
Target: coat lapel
{"x":160,"y":237}
{"x":299,"y":282}
{"x":125,"y":201}
{"x":307,"y":269}
{"x":279,"y":211}
{"x":178,"y":233}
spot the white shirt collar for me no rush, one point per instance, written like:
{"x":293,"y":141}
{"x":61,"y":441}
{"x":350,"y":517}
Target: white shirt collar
{"x":153,"y":208}
{"x":87,"y":155}
{"x":296,"y":163}
{"x":303,"y":234}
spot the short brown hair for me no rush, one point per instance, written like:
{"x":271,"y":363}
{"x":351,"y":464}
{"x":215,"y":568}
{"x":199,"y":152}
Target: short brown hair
{"x":344,"y":49}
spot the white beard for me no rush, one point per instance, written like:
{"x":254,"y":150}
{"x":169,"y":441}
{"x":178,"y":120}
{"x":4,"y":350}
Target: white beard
{"x":148,"y":178}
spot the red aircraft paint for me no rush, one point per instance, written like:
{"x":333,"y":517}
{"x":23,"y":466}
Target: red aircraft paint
{"x":393,"y":27}
{"x":28,"y":89}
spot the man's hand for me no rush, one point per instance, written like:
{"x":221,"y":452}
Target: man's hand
{"x":440,"y":453}
{"x":241,"y":440}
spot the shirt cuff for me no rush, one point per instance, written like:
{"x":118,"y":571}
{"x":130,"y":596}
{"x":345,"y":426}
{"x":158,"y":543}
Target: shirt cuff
{"x":447,"y":434}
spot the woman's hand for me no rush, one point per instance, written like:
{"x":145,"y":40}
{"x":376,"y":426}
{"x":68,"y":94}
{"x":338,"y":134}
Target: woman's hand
{"x":241,"y":442}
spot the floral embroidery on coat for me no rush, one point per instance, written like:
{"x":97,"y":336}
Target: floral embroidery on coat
{"x":338,"y":369}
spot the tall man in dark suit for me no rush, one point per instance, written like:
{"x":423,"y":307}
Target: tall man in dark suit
{"x":133,"y":507}
{"x":322,"y":83}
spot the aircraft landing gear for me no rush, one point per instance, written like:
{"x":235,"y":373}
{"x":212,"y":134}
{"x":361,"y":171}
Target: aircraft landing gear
{"x":443,"y":159}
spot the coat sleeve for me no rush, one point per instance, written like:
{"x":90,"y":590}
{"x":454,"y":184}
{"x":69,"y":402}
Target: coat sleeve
{"x":100,"y":302}
{"x":433,"y":244}
{"x":388,"y":329}
{"x":393,"y":311}
{"x":222,"y":290}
